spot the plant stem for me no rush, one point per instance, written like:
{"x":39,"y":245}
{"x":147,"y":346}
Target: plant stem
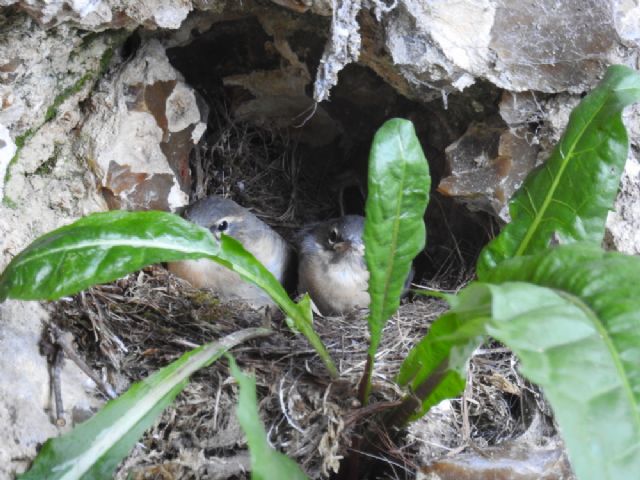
{"x":399,"y":416}
{"x":364,"y":387}
{"x":56,"y":368}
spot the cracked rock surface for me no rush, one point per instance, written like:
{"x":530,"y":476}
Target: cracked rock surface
{"x":144,"y":121}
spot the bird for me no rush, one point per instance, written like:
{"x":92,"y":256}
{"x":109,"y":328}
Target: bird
{"x":224,"y":216}
{"x":331,"y":267}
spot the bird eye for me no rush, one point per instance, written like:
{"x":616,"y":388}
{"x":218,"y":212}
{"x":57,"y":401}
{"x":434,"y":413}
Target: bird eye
{"x":333,"y":236}
{"x":222,"y":226}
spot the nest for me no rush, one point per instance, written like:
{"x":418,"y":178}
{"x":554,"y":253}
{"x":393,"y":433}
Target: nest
{"x":263,"y":170}
{"x":139,"y":324}
{"x":136,"y":325}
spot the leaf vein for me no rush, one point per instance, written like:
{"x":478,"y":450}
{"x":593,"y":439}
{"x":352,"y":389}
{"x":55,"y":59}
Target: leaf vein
{"x":556,"y":181}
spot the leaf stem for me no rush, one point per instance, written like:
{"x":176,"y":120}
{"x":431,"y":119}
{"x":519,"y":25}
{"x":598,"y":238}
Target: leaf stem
{"x":401,"y":414}
{"x":364,"y":387}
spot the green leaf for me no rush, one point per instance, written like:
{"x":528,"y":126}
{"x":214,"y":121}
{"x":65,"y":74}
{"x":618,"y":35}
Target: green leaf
{"x":577,"y":334}
{"x":394,"y":231}
{"x":568,"y":349}
{"x":571,"y":194}
{"x":435,"y":368}
{"x":98,"y":249}
{"x":105,"y":246}
{"x":94,"y":448}
{"x":266,"y":463}
{"x":607,"y":282}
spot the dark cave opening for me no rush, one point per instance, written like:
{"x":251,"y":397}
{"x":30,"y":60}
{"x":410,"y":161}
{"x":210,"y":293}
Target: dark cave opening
{"x":270,"y":149}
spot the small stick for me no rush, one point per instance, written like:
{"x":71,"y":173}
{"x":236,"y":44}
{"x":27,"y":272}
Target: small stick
{"x":56,"y":368}
{"x":65,"y":341}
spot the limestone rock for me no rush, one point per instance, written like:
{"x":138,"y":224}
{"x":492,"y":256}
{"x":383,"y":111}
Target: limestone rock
{"x":342,"y":48}
{"x":627,"y":22}
{"x":49,"y":66}
{"x":320,"y":7}
{"x":517,"y":46}
{"x":42,"y":83}
{"x":510,"y":460}
{"x":486,"y":166}
{"x":102,"y":14}
{"x":47,"y":188}
{"x":623,"y":224}
{"x":145,"y":120}
{"x":26,"y":407}
{"x":7,"y":151}
{"x":518,"y":109}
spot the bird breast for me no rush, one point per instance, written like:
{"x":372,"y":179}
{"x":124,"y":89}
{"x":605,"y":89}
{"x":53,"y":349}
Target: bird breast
{"x":228,"y":285}
{"x":274,"y":253}
{"x":336,"y":287}
{"x":271,"y":250}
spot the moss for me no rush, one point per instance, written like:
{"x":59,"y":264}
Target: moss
{"x":22,"y":139}
{"x":6,"y":201}
{"x":52,"y":111}
{"x":205,"y":297}
{"x":111,"y":37}
{"x":19,"y":141}
{"x":105,"y":60}
{"x":47,"y":167}
{"x":88,"y":38}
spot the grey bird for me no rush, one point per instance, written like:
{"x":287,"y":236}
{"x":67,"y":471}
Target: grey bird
{"x":332,"y":266}
{"x":222,"y":215}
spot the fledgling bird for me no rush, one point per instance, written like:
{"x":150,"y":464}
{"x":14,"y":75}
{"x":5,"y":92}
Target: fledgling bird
{"x":332,"y":266}
{"x":222,"y":215}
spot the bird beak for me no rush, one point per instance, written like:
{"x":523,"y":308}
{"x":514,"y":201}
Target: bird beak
{"x":342,"y":247}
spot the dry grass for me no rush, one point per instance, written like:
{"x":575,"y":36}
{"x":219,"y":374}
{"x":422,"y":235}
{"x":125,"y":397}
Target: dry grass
{"x":136,"y":325}
{"x":264,"y":171}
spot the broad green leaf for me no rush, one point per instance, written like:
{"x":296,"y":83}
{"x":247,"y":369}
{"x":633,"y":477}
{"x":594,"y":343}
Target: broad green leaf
{"x":572,"y":192}
{"x":567,"y":348}
{"x":105,"y":246}
{"x":577,"y":335}
{"x":394,"y":231}
{"x":100,"y":248}
{"x":607,"y":282}
{"x":435,"y":368}
{"x":94,"y":448}
{"x":266,"y":463}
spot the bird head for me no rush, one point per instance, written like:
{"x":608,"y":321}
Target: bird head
{"x":340,"y":237}
{"x":223,"y":215}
